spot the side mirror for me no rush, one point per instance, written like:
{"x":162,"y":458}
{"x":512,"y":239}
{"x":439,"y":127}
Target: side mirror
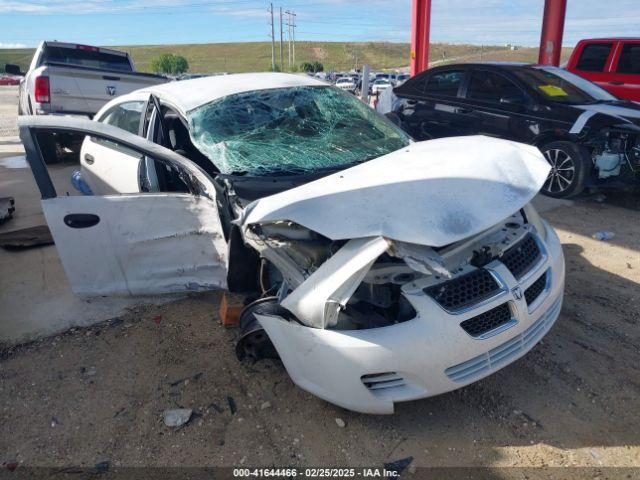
{"x":12,"y":69}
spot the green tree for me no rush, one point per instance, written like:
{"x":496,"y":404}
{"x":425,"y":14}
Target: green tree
{"x":169,"y":63}
{"x":312,"y":67}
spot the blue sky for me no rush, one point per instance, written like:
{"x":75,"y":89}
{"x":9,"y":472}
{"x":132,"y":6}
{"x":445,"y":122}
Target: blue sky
{"x":120,"y":22}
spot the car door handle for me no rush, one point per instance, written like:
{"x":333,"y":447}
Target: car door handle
{"x":616,"y":82}
{"x":81,"y":220}
{"x":89,"y":158}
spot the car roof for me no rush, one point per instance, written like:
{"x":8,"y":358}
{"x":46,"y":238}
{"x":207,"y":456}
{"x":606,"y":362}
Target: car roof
{"x":189,"y":94}
{"x":497,"y":65}
{"x":608,"y":39}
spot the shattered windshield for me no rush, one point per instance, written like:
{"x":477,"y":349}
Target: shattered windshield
{"x":290,"y":130}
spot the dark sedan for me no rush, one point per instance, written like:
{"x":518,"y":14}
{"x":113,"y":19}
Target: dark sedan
{"x":588,"y":136}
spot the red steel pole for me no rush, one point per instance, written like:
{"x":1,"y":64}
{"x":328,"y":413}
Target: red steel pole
{"x":420,"y":26}
{"x":552,"y":30}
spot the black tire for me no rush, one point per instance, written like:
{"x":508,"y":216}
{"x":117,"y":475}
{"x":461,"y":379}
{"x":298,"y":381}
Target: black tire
{"x":49,"y":148}
{"x":570,"y":169}
{"x":254,"y":343}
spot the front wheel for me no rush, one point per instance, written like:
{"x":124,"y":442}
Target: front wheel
{"x":569,"y":169}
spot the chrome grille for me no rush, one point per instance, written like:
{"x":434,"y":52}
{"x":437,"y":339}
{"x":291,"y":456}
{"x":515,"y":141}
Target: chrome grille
{"x":520,"y":258}
{"x":487,"y":321}
{"x":465,"y":290}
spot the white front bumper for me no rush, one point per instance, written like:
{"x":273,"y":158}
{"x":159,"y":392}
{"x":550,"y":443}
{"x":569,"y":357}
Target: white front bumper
{"x":428,"y":355}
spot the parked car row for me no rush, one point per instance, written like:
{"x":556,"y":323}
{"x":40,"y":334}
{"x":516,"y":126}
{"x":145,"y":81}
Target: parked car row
{"x":10,"y":79}
{"x":352,"y":81}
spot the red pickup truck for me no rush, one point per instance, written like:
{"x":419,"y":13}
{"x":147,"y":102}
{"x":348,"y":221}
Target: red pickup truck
{"x":612,"y":63}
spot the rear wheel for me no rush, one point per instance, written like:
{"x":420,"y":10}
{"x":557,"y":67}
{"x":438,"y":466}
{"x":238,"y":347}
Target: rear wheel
{"x":569,"y":169}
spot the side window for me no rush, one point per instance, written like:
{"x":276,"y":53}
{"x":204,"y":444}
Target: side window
{"x":593,"y":57}
{"x":125,"y":115}
{"x":445,"y":83}
{"x":492,"y":87}
{"x":414,"y":85}
{"x":629,"y":59}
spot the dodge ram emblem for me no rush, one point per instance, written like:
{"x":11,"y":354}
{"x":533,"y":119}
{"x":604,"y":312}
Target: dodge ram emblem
{"x":111,"y":90}
{"x":517,"y":293}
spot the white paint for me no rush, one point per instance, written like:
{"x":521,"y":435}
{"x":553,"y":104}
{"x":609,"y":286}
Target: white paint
{"x":190,"y":94}
{"x":35,"y":296}
{"x":318,"y":300}
{"x":114,"y":170}
{"x":14,"y":162}
{"x":330,"y":363}
{"x":581,"y":121}
{"x":613,"y":110}
{"x":622,"y":113}
{"x":144,"y":244}
{"x":431,"y":193}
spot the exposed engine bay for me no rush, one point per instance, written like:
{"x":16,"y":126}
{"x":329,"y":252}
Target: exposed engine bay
{"x":375,"y":295}
{"x":616,"y":153}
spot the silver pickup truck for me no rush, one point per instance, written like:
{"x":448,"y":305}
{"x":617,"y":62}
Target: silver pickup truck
{"x":71,"y":79}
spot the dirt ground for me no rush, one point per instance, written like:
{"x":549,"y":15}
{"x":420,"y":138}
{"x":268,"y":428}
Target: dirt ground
{"x":97,"y":394}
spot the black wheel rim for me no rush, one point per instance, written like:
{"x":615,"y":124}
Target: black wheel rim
{"x":563,"y":171}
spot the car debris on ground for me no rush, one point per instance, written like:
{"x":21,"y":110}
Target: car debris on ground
{"x":7,"y":208}
{"x":177,"y":417}
{"x":37,"y":236}
{"x":604,"y":236}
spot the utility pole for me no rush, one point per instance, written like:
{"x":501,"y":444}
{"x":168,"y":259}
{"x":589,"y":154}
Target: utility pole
{"x":364,"y":93}
{"x":273,"y":41}
{"x":281,"y":59}
{"x":289,"y":36}
{"x":291,"y":32}
{"x":293,"y":29}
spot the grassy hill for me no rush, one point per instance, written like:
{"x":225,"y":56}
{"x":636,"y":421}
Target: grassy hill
{"x":256,"y":56}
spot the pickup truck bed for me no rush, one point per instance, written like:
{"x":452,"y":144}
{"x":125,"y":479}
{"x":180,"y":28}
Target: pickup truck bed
{"x":71,"y":79}
{"x":82,"y":90}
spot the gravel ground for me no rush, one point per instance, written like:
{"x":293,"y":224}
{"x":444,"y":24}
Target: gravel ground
{"x":98,"y":394}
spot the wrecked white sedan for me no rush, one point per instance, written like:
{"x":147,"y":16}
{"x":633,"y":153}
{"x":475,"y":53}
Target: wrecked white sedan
{"x":382,"y":270}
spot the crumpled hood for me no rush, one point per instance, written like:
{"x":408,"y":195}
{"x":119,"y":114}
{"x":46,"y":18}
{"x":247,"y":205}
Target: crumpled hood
{"x":431,"y":193}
